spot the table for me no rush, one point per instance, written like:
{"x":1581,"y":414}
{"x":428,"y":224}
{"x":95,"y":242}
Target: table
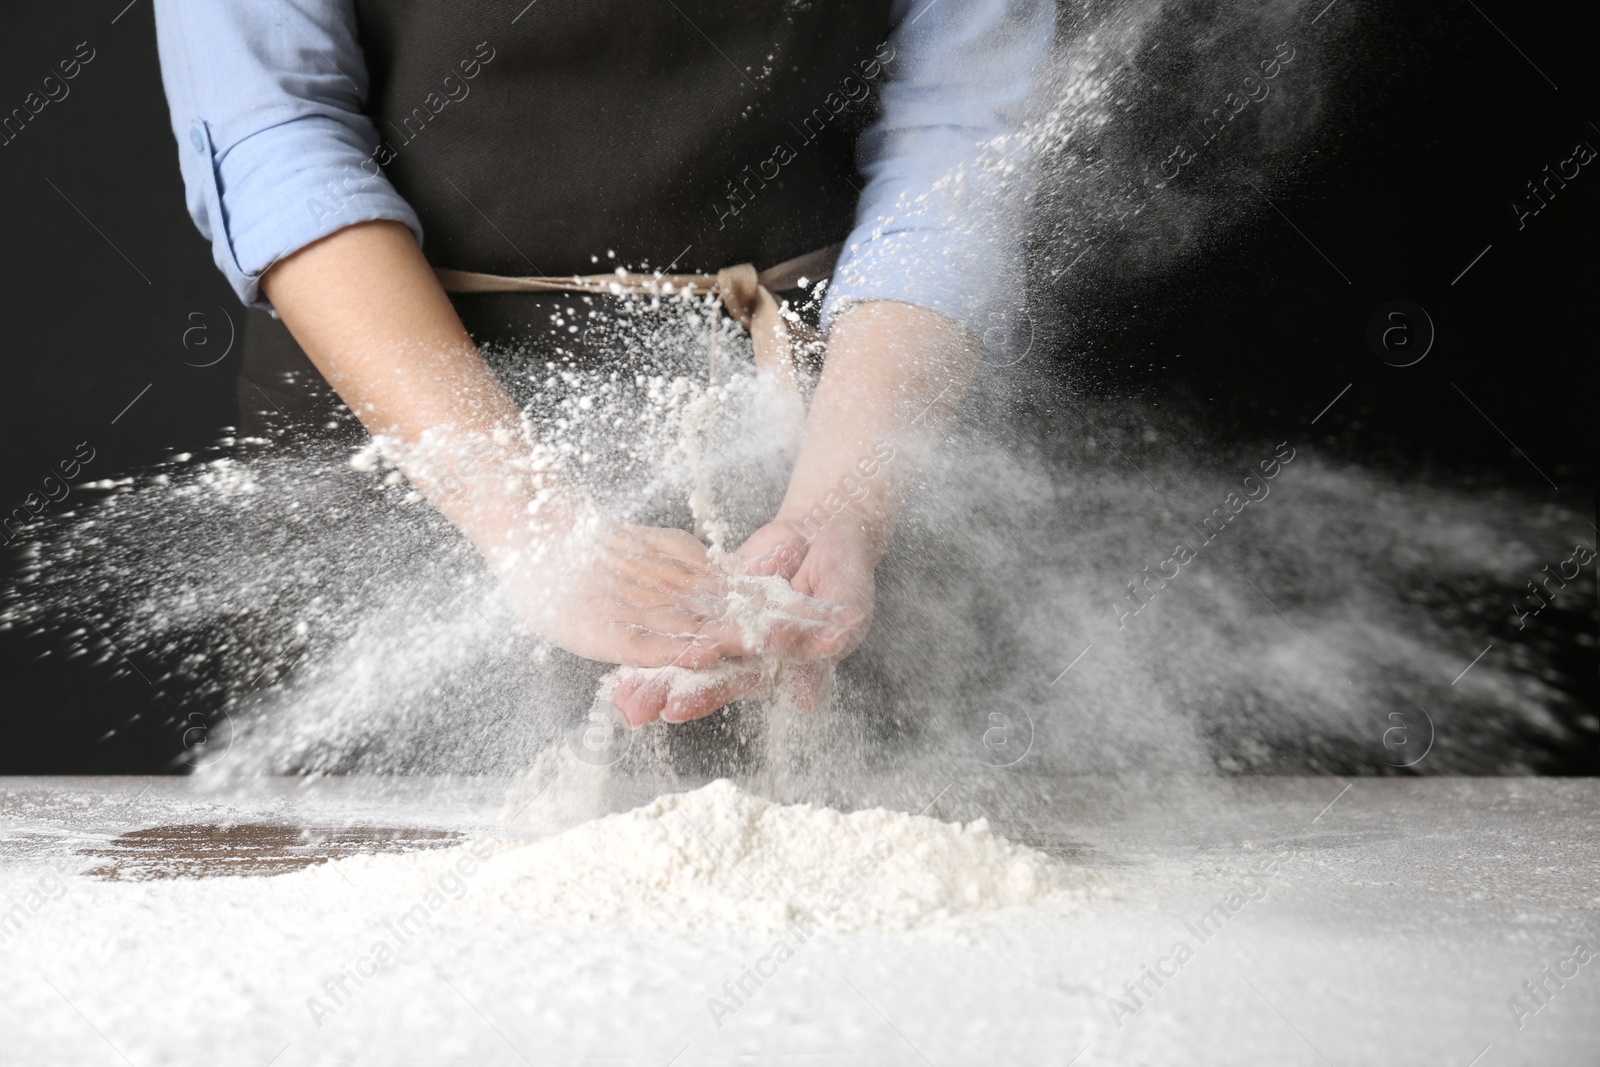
{"x":1399,"y":925}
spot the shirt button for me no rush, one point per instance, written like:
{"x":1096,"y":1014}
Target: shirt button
{"x":195,"y":139}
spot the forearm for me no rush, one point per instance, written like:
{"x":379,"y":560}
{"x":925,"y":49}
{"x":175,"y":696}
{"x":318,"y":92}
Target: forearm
{"x":894,"y":374}
{"x":366,"y":308}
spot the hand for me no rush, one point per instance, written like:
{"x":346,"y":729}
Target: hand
{"x":833,"y":568}
{"x":836,"y":565}
{"x":635,"y":595}
{"x":367,"y":308}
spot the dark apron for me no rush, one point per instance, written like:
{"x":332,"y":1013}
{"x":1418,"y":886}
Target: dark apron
{"x":695,"y":134}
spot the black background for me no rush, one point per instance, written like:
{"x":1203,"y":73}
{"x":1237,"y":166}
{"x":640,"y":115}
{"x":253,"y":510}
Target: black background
{"x":1426,"y":139}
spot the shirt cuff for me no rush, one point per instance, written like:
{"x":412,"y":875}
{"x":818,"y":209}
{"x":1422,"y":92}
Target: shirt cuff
{"x":954,"y":245}
{"x":285,"y":187}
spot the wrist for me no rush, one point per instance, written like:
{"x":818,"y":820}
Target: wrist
{"x":503,"y":490}
{"x":864,"y":534}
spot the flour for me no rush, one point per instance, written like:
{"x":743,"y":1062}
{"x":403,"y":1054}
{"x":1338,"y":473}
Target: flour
{"x":756,"y":605}
{"x":719,"y":858}
{"x":708,"y":430}
{"x":385,"y":960}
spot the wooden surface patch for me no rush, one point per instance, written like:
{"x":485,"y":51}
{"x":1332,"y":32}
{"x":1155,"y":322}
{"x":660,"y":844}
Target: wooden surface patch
{"x":199,"y":850}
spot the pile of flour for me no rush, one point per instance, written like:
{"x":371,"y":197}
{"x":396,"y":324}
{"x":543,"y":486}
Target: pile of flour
{"x":718,"y":858}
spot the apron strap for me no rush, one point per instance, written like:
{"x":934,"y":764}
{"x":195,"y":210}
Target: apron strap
{"x":747,"y":294}
{"x":776,"y":279}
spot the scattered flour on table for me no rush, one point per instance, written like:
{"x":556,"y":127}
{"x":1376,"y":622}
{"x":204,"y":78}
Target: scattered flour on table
{"x":718,"y":858}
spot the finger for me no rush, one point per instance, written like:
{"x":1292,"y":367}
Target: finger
{"x":671,"y":553}
{"x":679,"y":543}
{"x":639,"y":697}
{"x":667,"y":573}
{"x":730,"y":639}
{"x":810,"y":641}
{"x":814,"y":629}
{"x":665,"y":614}
{"x":640,"y":646}
{"x":685,"y":706}
{"x":733,"y":641}
{"x":721,"y":638}
{"x":676,"y":548}
{"x":639,"y":602}
{"x":809,"y":608}
{"x":780,"y":561}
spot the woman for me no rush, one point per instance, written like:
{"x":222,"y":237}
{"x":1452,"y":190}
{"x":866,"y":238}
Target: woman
{"x":322,"y":140}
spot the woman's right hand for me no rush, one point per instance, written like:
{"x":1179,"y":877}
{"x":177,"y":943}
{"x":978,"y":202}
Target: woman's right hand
{"x":369,"y":312}
{"x":639,"y":596}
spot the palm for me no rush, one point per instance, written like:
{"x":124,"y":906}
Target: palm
{"x":835,"y":571}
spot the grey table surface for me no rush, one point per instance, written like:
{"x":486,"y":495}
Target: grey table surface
{"x":1427,"y":920}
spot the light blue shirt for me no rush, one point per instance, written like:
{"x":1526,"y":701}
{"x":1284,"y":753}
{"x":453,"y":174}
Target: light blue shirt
{"x":267,"y":101}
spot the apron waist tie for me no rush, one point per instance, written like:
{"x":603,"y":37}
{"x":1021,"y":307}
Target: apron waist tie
{"x":746,"y":293}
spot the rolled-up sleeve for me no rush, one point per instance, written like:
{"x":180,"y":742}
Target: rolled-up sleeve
{"x":941,"y":221}
{"x":267,"y":102}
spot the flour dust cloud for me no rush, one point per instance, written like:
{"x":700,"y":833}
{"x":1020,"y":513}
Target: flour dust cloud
{"x":1091,"y":588}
